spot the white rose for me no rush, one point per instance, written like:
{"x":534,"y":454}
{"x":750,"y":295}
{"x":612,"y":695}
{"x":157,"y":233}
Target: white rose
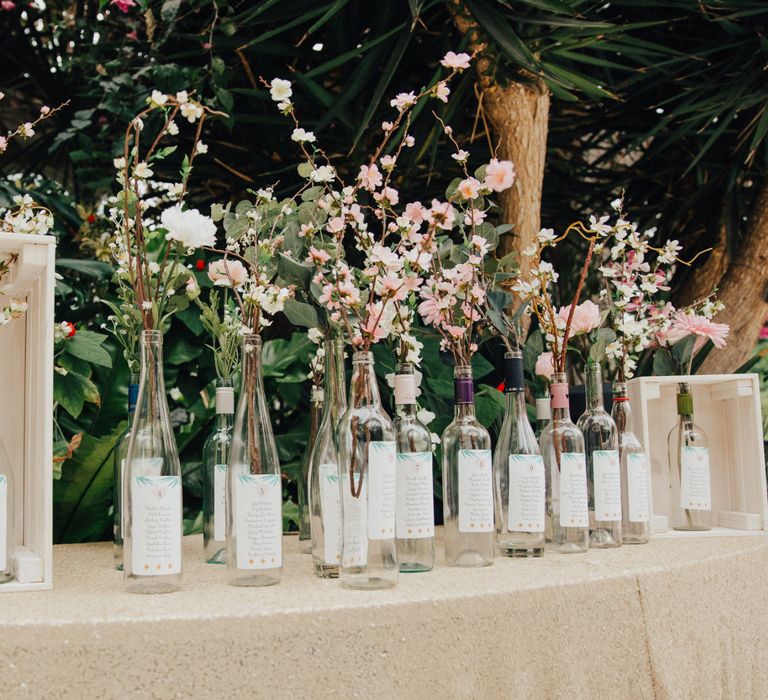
{"x":190,"y":228}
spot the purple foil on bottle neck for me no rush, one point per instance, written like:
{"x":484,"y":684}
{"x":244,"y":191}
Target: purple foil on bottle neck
{"x":464,"y":390}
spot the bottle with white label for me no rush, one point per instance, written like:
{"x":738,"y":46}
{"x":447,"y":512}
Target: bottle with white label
{"x":467,"y":481}
{"x":316,"y":401}
{"x":7,"y":523}
{"x":690,"y":478}
{"x":518,"y":473}
{"x":562,"y":447}
{"x":367,"y":483}
{"x":215,"y":459}
{"x":415,"y":514}
{"x":121,"y":452}
{"x":324,"y":491}
{"x":635,"y":475}
{"x":152,"y":489}
{"x":601,"y":442}
{"x":254,"y":528}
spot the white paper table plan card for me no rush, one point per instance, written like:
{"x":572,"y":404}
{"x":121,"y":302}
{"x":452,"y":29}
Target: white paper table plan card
{"x":475,"y":491}
{"x":355,"y":537}
{"x":637,"y":487}
{"x":527,"y":494}
{"x":156,"y":525}
{"x":695,"y":489}
{"x":574,"y":505}
{"x":330,"y":500}
{"x":259,"y":526}
{"x":382,"y":481}
{"x":607,"y":480}
{"x":415,"y":502}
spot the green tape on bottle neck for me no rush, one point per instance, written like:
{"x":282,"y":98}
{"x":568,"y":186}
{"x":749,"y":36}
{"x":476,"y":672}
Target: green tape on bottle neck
{"x":684,"y":404}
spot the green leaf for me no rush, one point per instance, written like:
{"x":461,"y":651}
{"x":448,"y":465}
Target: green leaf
{"x":87,"y":346}
{"x":480,"y":366}
{"x":300,"y":313}
{"x":662,"y":363}
{"x":293,"y":272}
{"x":82,"y":497}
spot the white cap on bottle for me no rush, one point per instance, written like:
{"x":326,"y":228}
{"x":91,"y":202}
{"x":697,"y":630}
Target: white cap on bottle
{"x":405,"y":389}
{"x":543,"y":410}
{"x":225,"y":399}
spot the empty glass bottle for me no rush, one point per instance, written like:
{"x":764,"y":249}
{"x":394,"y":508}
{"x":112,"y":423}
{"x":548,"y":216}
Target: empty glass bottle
{"x":518,"y":473}
{"x":562,"y":447}
{"x":543,"y":414}
{"x":7,"y":521}
{"x":121,"y":452}
{"x":152,"y":491}
{"x":601,"y":442}
{"x":415,"y":509}
{"x":367,"y":479}
{"x":316,"y":401}
{"x":254,"y":487}
{"x":635,"y":506}
{"x":215,"y":459}
{"x":324,"y":491}
{"x":467,"y":481}
{"x":688,"y":449}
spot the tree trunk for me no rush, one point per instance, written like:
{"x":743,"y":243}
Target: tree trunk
{"x":744,"y":291}
{"x":519,"y":114}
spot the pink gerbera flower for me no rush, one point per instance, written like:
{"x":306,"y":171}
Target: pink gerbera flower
{"x":692,"y":324}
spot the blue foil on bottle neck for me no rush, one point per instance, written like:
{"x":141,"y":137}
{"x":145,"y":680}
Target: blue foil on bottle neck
{"x":133,"y":397}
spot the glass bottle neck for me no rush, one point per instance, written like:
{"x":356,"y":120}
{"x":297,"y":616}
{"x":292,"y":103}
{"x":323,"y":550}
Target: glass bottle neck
{"x":515,"y":403}
{"x":133,"y":394}
{"x":334,"y":394}
{"x":561,"y":410}
{"x":594,"y":387}
{"x":152,"y":382}
{"x":364,"y":390}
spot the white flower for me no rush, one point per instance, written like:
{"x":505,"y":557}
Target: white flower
{"x":325,"y":173}
{"x":119,"y":163}
{"x":142,"y":170}
{"x":190,"y":228}
{"x":280,"y":90}
{"x":315,"y":335}
{"x":191,"y":111}
{"x":457,"y":61}
{"x":201,"y":148}
{"x":302,"y":136}
{"x":546,"y":235}
{"x":146,"y":305}
{"x":173,"y":128}
{"x":27,"y":130}
{"x":616,"y":204}
{"x":158,"y":98}
{"x":403,"y":101}
{"x":182,"y":97}
{"x":425,"y":416}
{"x":176,"y":394}
{"x":460,"y":156}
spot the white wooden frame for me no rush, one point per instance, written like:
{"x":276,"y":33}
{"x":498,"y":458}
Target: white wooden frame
{"x":727,"y":408}
{"x":26,"y":404}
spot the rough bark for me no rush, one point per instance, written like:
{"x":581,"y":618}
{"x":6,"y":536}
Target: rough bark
{"x":744,"y":291}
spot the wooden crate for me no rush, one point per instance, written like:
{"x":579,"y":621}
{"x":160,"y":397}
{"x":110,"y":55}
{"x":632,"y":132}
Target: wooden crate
{"x":26,"y":405}
{"x":727,"y":409}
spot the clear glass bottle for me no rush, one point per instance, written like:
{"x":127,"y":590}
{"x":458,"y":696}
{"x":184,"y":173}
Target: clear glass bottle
{"x":415,"y":509}
{"x":562,"y":447}
{"x":215,"y":459}
{"x":7,"y":518}
{"x":518,"y":473}
{"x":316,"y":401}
{"x":467,"y":481}
{"x":121,"y":452}
{"x":324,"y":490}
{"x":254,"y":486}
{"x":635,"y":478}
{"x":688,"y":449}
{"x":152,"y":489}
{"x":601,"y":442}
{"x":367,"y":479}
{"x":543,"y":414}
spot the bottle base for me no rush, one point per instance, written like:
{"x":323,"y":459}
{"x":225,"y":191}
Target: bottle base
{"x":151,"y":587}
{"x":327,"y":570}
{"x":218,"y":557}
{"x":469,"y":559}
{"x":414,"y":568}
{"x":692,"y":528}
{"x":602,"y":538}
{"x":305,"y":546}
{"x":6,"y":576}
{"x":521,"y":551}
{"x":248,"y":579}
{"x":570,"y":548}
{"x":367,"y":583}
{"x":635,"y":539}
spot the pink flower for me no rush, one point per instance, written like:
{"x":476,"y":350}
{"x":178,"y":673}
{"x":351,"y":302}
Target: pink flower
{"x":544,"y":367}
{"x":388,"y":195}
{"x":763,"y":333}
{"x":7,"y":5}
{"x":429,"y":310}
{"x":457,"y":61}
{"x":499,"y":175}
{"x":123,"y":5}
{"x":318,"y":257}
{"x":369,"y":176}
{"x":335,"y":225}
{"x":442,"y":91}
{"x":442,"y":215}
{"x":415,"y":212}
{"x":227,"y":273}
{"x":403,"y":101}
{"x":456,"y":331}
{"x":469,"y":188}
{"x":586,"y":317}
{"x":684,"y":324}
{"x":474,"y":217}
{"x":3,"y":144}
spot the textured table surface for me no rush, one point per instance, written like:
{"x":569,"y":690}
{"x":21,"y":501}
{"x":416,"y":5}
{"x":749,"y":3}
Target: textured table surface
{"x":680,"y":617}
